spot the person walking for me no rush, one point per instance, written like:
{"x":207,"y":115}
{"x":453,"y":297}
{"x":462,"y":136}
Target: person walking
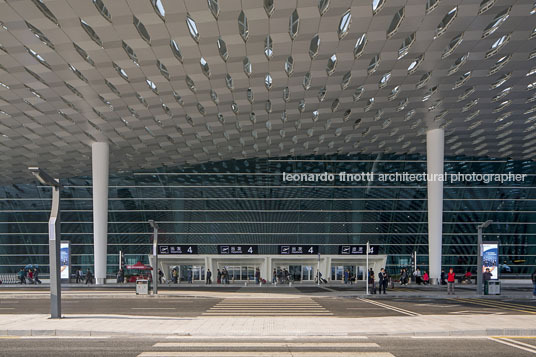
{"x":78,"y":276}
{"x":218,"y":276}
{"x":22,"y":276}
{"x":190,"y":278}
{"x":534,"y":284}
{"x":160,"y":276}
{"x":425,"y":278}
{"x":120,"y":276}
{"x":451,"y":280}
{"x":209,"y":277}
{"x":346,"y":276}
{"x":371,"y":282}
{"x":383,"y":279}
{"x":36,"y":276}
{"x":274,"y":276}
{"x":89,"y":277}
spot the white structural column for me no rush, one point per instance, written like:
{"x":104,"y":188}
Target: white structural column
{"x":435,"y":149}
{"x":100,"y":165}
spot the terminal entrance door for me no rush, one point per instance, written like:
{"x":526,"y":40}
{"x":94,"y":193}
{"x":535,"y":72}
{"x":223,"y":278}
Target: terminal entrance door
{"x":337,"y":272}
{"x":240,"y":272}
{"x":299,"y":272}
{"x":189,"y":273}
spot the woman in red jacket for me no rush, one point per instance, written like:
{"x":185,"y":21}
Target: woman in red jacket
{"x":451,"y":279}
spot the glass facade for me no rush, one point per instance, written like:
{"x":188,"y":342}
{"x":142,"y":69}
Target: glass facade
{"x":246,"y":201}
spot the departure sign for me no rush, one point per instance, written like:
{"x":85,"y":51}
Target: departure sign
{"x":238,"y":249}
{"x":358,"y":249}
{"x":298,"y":249}
{"x":177,"y":249}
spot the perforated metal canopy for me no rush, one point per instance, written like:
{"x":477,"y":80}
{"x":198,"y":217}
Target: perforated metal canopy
{"x":172,"y":82}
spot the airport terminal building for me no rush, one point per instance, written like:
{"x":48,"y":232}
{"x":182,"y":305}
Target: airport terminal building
{"x":269,"y":134}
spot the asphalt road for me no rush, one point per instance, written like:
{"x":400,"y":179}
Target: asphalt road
{"x":273,"y":306}
{"x":314,"y":346}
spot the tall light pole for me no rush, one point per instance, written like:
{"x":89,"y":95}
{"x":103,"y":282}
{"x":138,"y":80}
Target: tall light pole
{"x":54,"y":239}
{"x":479,"y":281}
{"x":155,"y":255}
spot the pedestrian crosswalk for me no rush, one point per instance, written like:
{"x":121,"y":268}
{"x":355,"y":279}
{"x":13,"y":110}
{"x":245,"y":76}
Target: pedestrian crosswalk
{"x":268,"y":307}
{"x":263,"y":347}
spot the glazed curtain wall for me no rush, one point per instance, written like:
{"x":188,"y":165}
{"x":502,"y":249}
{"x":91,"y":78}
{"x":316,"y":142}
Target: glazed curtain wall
{"x":246,"y":201}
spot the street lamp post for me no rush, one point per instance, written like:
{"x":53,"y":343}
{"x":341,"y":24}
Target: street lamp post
{"x":54,"y":238}
{"x":479,"y":282}
{"x":155,"y":255}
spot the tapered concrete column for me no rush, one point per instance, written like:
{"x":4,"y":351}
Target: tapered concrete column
{"x":435,"y":149}
{"x":100,"y":165}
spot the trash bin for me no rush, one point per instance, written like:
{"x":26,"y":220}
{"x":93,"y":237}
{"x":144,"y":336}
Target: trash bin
{"x":142,"y":287}
{"x":494,"y":287}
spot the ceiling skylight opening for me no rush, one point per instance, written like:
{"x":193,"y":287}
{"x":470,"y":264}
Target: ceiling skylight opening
{"x":346,"y":80}
{"x":214,"y":8}
{"x":159,"y":9}
{"x":531,"y":72}
{"x":269,"y":7}
{"x":453,"y":44}
{"x":394,"y":93}
{"x":251,"y":98}
{"x":222,"y":49}
{"x":373,"y":64}
{"x":294,"y":24}
{"x":360,"y":45}
{"x":246,"y":64}
{"x":314,"y":46}
{"x":384,"y":80}
{"x":466,"y":93}
{"x":461,"y":81}
{"x":130,"y":53}
{"x":406,"y":45}
{"x":91,"y":33}
{"x":78,"y":73}
{"x":423,"y":80}
{"x":496,"y":23}
{"x":446,"y":21}
{"x":40,"y":35}
{"x":120,"y":71}
{"x":402,"y":104}
{"x":502,"y":79}
{"x":458,"y":64}
{"x":429,"y":93}
{"x":307,"y":81}
{"x":335,"y":104}
{"x":322,"y":94}
{"x":268,"y":81}
{"x":243,"y":26}
{"x":204,"y":67}
{"x":369,"y":104}
{"x":286,"y":94}
{"x":503,"y":93}
{"x":46,"y":11}
{"x":485,"y":5}
{"x":190,"y":84}
{"x":289,"y":66}
{"x":176,"y":50}
{"x":358,"y":93}
{"x":229,"y":82}
{"x":344,"y":24}
{"x":141,"y":30}
{"x":415,"y":64}
{"x":192,"y":28}
{"x":103,"y":10}
{"x":214,"y":97}
{"x":332,"y":63}
{"x":377,"y":5}
{"x":323,"y":6}
{"x":499,"y":64}
{"x":268,"y":51}
{"x":396,"y":22}
{"x":38,"y":57}
{"x":431,"y":5}
{"x":497,"y":45}
{"x":533,"y":11}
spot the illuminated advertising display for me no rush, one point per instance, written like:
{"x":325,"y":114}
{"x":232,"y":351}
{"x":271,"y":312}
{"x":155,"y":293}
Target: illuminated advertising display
{"x":490,"y":258}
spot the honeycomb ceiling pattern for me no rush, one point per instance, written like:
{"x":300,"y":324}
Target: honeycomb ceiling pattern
{"x":172,"y":82}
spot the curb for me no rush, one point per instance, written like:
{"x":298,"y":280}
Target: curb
{"x":439,"y":334}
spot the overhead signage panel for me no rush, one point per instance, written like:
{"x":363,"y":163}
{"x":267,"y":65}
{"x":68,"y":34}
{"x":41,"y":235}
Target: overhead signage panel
{"x":298,"y":249}
{"x":358,"y":249}
{"x":238,"y":249}
{"x":176,"y":249}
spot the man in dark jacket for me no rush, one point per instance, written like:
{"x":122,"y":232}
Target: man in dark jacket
{"x":209,"y":277}
{"x":382,"y":277}
{"x":534,"y":284}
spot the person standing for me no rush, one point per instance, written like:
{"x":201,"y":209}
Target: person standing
{"x":22,"y":276}
{"x":120,"y":276}
{"x":486,"y":277}
{"x":443,"y":277}
{"x":425,"y":278}
{"x":209,"y":277}
{"x":257,"y":276}
{"x":451,"y":279}
{"x":160,"y":276}
{"x":78,"y":275}
{"x":371,"y":282}
{"x":534,"y":284}
{"x":190,"y":276}
{"x":218,"y":276}
{"x":346,"y":276}
{"x":274,"y":276}
{"x":382,"y":281}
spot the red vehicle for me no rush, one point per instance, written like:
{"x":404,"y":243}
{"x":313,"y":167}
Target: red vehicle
{"x":138,"y":271}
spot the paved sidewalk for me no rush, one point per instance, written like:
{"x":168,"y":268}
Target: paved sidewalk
{"x":429,"y":325}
